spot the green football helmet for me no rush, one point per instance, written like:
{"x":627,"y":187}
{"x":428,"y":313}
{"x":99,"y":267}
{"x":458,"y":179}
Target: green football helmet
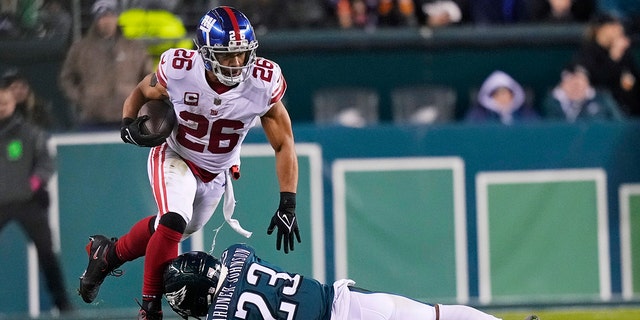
{"x":190,"y":282}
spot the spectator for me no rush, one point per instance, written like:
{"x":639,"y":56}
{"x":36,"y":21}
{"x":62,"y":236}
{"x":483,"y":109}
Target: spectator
{"x":485,"y":12}
{"x":440,"y":13}
{"x":627,"y":10}
{"x":575,"y":99}
{"x":562,"y":11}
{"x":25,"y":168}
{"x":56,"y":20}
{"x":606,"y":56}
{"x":102,"y":68}
{"x":18,"y":18}
{"x":356,"y":13}
{"x":30,"y":106}
{"x":501,"y":99}
{"x":396,"y":13}
{"x":160,"y":26}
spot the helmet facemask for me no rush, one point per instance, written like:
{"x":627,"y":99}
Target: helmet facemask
{"x":229,"y":75}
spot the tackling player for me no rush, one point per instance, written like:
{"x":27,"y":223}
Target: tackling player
{"x":218,"y":92}
{"x":242,"y":286}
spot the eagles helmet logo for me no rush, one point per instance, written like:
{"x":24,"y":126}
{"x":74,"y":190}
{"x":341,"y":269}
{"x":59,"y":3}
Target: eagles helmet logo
{"x":176,"y":298}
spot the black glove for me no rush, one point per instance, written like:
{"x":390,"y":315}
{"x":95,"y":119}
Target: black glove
{"x":285,"y":220}
{"x":130,"y":132}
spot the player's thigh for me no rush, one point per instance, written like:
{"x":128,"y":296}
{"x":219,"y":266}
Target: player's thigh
{"x":384,"y":306}
{"x":172,"y":182}
{"x":206,"y":200}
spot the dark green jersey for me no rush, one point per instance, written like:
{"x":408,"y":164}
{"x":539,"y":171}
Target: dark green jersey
{"x":255,"y":289}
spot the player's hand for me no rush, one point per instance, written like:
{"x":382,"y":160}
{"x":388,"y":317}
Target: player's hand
{"x":285,"y":220}
{"x":130,"y":132}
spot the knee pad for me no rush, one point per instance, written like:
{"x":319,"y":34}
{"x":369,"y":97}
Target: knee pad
{"x":173,"y":221}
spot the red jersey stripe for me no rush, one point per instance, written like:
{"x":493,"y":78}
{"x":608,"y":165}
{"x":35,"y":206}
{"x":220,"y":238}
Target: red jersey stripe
{"x":156,"y":159}
{"x":277,"y":95}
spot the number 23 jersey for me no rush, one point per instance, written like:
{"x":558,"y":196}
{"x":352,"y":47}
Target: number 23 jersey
{"x":253,"y":289}
{"x":212,"y":126}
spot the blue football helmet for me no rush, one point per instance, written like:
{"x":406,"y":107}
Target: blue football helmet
{"x":190,"y":282}
{"x":226,"y":30}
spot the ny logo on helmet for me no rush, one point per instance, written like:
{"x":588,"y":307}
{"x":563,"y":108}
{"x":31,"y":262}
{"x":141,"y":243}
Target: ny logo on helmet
{"x":207,"y":23}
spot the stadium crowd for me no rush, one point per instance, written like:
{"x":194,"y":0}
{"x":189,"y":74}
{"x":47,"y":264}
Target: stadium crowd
{"x":29,"y":18}
{"x":605,"y":56}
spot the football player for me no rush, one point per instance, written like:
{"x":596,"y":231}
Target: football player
{"x":240,"y":285}
{"x":218,"y":91}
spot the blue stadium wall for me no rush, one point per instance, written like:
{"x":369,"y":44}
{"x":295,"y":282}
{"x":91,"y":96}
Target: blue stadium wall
{"x":103,"y":188}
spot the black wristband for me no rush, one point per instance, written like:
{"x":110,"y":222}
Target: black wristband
{"x":287,"y":200}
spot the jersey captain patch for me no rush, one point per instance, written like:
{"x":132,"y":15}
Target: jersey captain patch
{"x":191,"y":98}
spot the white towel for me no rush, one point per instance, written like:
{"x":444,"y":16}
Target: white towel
{"x":229,"y":206}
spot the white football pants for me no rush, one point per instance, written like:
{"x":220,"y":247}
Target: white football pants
{"x":355,"y":305}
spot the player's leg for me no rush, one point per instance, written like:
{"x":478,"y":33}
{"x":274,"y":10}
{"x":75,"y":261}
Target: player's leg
{"x":179,"y":222}
{"x":384,"y":306}
{"x":208,"y":197}
{"x":174,"y":189}
{"x":133,"y":244}
{"x":162,"y":248}
{"x":103,"y":261}
{"x":461,"y":312}
{"x":105,"y":255}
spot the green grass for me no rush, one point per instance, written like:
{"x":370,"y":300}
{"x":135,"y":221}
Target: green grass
{"x":574,"y":314}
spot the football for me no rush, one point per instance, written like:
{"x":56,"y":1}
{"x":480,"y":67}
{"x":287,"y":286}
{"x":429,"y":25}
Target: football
{"x":161,"y":120}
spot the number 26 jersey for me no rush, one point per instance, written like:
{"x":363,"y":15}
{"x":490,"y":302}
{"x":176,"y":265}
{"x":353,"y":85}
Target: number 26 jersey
{"x":253,"y":289}
{"x":211,"y":126}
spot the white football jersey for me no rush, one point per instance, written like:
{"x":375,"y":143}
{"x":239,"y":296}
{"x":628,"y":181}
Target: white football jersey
{"x":212,"y":126}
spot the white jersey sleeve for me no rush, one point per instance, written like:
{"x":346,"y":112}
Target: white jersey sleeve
{"x":211,"y":127}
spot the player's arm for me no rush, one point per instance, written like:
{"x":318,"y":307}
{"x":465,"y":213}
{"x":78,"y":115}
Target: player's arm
{"x":147,"y":89}
{"x":277,"y":127}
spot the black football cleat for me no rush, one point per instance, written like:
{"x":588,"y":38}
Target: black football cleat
{"x":99,"y":266}
{"x":532,"y":317}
